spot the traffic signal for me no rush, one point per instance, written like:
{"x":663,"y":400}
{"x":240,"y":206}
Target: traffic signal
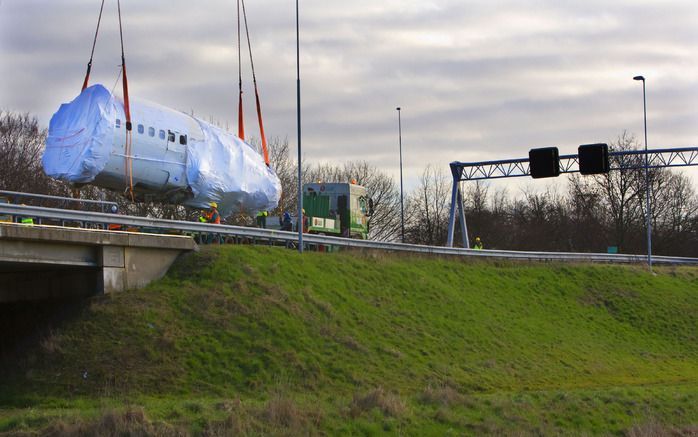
{"x":544,"y":162}
{"x":593,"y":158}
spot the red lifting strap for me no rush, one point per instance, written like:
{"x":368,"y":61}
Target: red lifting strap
{"x":127,"y":111}
{"x":241,"y":122}
{"x":254,"y":79}
{"x":261,"y":126}
{"x":127,"y":107}
{"x":94,"y":43}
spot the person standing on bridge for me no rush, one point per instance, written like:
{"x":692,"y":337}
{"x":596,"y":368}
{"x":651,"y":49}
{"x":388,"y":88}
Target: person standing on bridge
{"x":262,"y":219}
{"x":478,"y":244}
{"x":287,"y":223}
{"x":213,"y":216}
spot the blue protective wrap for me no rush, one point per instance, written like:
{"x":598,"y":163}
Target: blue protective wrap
{"x":80,"y":136}
{"x":225,"y":169}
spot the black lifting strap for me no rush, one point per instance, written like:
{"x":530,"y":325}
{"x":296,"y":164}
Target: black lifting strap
{"x":94,"y":43}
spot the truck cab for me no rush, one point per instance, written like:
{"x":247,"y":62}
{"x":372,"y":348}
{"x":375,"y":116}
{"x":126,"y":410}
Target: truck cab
{"x":338,"y":209}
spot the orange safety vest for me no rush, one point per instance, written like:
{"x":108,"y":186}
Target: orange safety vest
{"x":214,"y":217}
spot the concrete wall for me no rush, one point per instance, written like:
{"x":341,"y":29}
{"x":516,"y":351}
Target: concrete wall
{"x":39,"y":262}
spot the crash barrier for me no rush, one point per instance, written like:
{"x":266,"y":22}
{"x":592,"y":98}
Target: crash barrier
{"x":46,"y":200}
{"x":271,"y":236}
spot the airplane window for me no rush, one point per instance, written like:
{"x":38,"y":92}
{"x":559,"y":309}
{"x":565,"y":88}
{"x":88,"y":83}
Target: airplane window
{"x":141,"y":129}
{"x":151,"y":131}
{"x":183,"y":140}
{"x":170,"y":137}
{"x":118,"y":123}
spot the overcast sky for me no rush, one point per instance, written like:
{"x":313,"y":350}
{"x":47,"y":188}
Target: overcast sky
{"x":476,"y":80}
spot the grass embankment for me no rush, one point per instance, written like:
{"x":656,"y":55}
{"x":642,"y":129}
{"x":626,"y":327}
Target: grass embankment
{"x":262,"y":340}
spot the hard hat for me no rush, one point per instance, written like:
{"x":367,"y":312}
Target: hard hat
{"x":353,"y":181}
{"x":303,"y":210}
{"x":213,"y":205}
{"x":477,"y":238}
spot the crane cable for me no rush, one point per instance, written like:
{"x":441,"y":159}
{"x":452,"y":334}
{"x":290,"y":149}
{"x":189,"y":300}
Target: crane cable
{"x":254,"y":80}
{"x":241,"y":121}
{"x":94,"y":43}
{"x":127,"y":111}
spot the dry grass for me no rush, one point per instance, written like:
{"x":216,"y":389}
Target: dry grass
{"x":389,"y":404}
{"x":283,"y":415}
{"x":132,"y":422}
{"x":283,"y":412}
{"x":442,"y":395}
{"x":238,"y":422}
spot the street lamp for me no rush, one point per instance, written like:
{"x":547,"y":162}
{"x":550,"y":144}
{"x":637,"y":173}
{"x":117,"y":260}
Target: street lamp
{"x":402,"y":208}
{"x":298,"y":116}
{"x":647,"y":178}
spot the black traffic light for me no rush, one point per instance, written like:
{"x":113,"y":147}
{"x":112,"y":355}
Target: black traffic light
{"x":593,"y":158}
{"x":544,"y":162}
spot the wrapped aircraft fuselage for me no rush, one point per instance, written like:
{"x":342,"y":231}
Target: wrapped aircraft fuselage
{"x":173,"y":157}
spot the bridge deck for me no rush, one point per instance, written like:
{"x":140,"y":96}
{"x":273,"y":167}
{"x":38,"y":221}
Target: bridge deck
{"x":38,"y":261}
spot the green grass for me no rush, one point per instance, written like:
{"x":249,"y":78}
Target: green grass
{"x":263,"y":340}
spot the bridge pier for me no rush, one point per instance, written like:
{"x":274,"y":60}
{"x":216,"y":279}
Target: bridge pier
{"x":44,"y":262}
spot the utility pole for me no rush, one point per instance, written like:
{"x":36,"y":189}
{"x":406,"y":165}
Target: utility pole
{"x":402,"y":208}
{"x":298,"y":114}
{"x":647,"y":178}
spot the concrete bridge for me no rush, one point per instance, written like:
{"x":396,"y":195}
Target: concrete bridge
{"x":45,"y":262}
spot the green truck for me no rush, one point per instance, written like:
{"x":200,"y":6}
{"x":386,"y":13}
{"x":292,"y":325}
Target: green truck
{"x":337,"y":209}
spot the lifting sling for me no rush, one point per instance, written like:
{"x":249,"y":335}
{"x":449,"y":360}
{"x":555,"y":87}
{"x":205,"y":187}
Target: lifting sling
{"x":128,"y":167}
{"x":94,"y":43}
{"x":241,"y":129}
{"x":241,"y":121}
{"x":127,"y":110}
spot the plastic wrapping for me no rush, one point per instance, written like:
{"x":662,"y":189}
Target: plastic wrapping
{"x":86,"y":140}
{"x":80,"y":137}
{"x":225,"y":169}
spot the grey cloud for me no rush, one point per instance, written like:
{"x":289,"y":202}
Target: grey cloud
{"x":477,"y":80}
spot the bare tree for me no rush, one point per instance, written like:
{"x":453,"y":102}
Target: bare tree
{"x":286,"y":170}
{"x":675,"y":216}
{"x":620,"y":190}
{"x":586,"y":214}
{"x":429,"y":208}
{"x":21,"y":146}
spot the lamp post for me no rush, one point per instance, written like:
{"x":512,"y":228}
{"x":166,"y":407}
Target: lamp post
{"x":647,"y":178}
{"x":298,"y":116}
{"x":402,"y":208}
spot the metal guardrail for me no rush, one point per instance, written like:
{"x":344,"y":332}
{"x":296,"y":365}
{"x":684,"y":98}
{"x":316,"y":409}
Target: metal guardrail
{"x":311,"y":239}
{"x":17,"y":197}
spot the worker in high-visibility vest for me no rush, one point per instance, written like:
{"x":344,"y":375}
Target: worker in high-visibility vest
{"x":261,"y":219}
{"x":213,"y":216}
{"x":26,"y":220}
{"x":478,"y":244}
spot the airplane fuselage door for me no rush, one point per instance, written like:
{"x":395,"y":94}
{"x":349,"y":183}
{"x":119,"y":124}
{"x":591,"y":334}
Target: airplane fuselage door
{"x":176,"y":155}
